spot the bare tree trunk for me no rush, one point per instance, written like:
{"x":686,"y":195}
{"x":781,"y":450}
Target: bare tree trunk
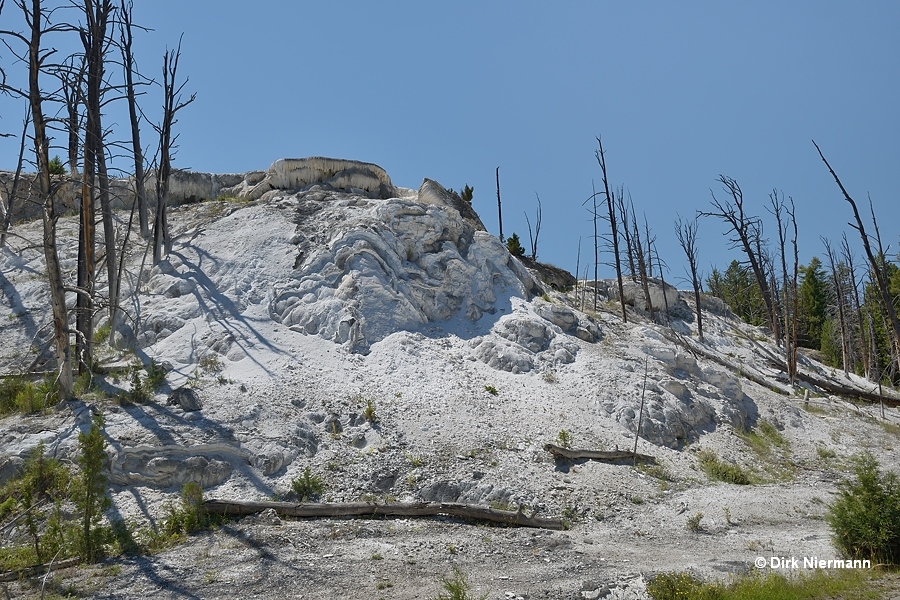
{"x":873,"y":262}
{"x":537,"y":229}
{"x":172,"y":103}
{"x":601,"y":159}
{"x":749,"y":236}
{"x":128,"y":64}
{"x":7,"y":218}
{"x":499,"y":208}
{"x":687,"y":238}
{"x":46,"y":194}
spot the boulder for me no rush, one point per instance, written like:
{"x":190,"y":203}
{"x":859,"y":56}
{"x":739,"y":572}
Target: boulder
{"x":186,"y":398}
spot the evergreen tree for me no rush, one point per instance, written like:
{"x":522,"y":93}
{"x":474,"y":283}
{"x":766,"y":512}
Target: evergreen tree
{"x":812,"y":304}
{"x":738,"y":288}
{"x":514,"y":245}
{"x":91,"y":497}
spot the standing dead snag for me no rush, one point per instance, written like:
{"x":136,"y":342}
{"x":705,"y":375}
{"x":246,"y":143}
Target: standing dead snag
{"x":537,"y":229}
{"x":126,"y":40}
{"x":172,"y":103}
{"x":601,"y":159}
{"x":686,"y":231}
{"x":499,"y":209}
{"x":874,"y":263}
{"x":37,"y":59}
{"x":748,"y":232}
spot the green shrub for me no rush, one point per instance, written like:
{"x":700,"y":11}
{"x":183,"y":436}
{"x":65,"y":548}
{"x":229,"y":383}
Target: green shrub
{"x":514,"y":246}
{"x":56,"y":166}
{"x":720,"y":470}
{"x":189,"y":517}
{"x":308,"y":486}
{"x":564,"y":438}
{"x":865,"y":518}
{"x":693,"y":523}
{"x":90,"y":489}
{"x":456,"y":586}
{"x":369,"y":411}
{"x":19,"y":394}
{"x":491,"y":390}
{"x":843,"y":583}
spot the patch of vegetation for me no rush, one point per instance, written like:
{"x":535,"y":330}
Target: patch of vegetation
{"x":56,"y":166}
{"x":844,"y":583}
{"x":865,"y":518}
{"x":210,"y":363}
{"x":549,"y":377}
{"x":101,"y":334}
{"x":20,"y":394}
{"x":564,"y":438}
{"x":143,"y":388}
{"x":307,"y":486}
{"x":825,"y":453}
{"x":491,"y":390}
{"x":720,"y":470}
{"x":369,"y":411}
{"x":456,"y":587}
{"x":764,"y":438}
{"x":693,"y":522}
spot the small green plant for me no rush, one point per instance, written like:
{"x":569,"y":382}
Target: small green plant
{"x":211,"y":363}
{"x":491,"y":390}
{"x":156,"y":375}
{"x":101,"y":334}
{"x":637,"y":500}
{"x":840,"y":583}
{"x":720,"y":470}
{"x":90,"y":488}
{"x":467,"y":193}
{"x":514,"y":246}
{"x":369,"y":411}
{"x":456,"y":587}
{"x":377,"y":556}
{"x":307,"y":486}
{"x":676,"y":586}
{"x":190,"y":517}
{"x":865,"y":519}
{"x":549,"y":377}
{"x":693,"y":522}
{"x":564,"y":438}
{"x":727,"y":512}
{"x":19,"y":394}
{"x":825,"y":453}
{"x":56,"y":166}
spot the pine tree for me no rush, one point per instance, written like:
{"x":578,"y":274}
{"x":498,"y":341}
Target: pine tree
{"x":91,"y":497}
{"x":514,"y":245}
{"x":812,"y":304}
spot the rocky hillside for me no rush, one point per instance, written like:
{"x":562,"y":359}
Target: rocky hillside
{"x":379,"y":337}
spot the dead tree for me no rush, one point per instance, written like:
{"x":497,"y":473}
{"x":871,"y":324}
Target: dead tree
{"x":126,"y":41}
{"x":71,"y":77}
{"x":499,"y":209}
{"x":172,"y":103}
{"x":788,"y":284}
{"x":874,"y":262}
{"x":601,"y":160}
{"x":686,"y":232}
{"x":625,"y":229}
{"x":95,"y":179}
{"x":13,"y":192}
{"x":37,"y":58}
{"x":748,"y":237}
{"x":537,"y":228}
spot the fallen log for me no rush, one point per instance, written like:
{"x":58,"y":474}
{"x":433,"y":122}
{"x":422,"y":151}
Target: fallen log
{"x":38,"y":570}
{"x":601,"y":455}
{"x":392,"y":509}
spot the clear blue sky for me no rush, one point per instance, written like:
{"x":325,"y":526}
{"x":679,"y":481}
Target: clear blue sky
{"x":679,"y":91}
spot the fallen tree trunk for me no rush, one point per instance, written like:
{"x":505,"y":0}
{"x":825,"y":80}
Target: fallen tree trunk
{"x":38,"y":570}
{"x":393,"y":509}
{"x":601,"y":455}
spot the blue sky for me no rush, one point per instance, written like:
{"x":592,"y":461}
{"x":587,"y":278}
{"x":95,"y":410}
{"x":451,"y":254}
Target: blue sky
{"x":680,"y":92}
